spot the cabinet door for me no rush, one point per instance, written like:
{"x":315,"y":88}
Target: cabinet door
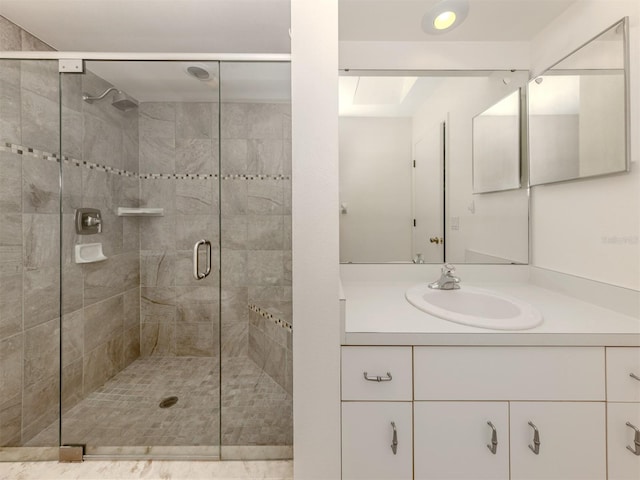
{"x":623,"y":464}
{"x":368,"y":436}
{"x":451,"y":440}
{"x":571,"y":436}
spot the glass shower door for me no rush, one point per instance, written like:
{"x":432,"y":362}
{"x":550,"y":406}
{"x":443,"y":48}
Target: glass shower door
{"x":140,"y":339}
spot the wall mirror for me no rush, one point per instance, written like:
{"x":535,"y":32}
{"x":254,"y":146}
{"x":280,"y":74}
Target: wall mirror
{"x":578,"y":112}
{"x":406,"y":172}
{"x":496,"y":146}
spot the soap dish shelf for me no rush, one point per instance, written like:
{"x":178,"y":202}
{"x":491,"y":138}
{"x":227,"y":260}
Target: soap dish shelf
{"x":140,"y":212}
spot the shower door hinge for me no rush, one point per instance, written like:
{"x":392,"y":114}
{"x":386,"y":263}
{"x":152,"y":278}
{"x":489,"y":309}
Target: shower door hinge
{"x":71,"y":453}
{"x":70,"y":65}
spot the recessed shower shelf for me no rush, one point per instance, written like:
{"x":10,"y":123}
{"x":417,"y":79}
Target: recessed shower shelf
{"x":140,"y":212}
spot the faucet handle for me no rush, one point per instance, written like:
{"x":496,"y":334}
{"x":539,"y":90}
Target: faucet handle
{"x":448,"y":268}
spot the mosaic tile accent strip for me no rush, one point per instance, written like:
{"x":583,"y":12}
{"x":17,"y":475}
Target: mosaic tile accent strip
{"x":54,"y":157}
{"x":269,"y":316}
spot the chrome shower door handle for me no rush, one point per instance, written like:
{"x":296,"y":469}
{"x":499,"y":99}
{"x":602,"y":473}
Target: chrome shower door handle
{"x":196,"y":259}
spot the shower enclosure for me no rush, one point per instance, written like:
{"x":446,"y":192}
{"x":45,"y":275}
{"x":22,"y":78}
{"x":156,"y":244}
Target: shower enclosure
{"x":145,"y":258}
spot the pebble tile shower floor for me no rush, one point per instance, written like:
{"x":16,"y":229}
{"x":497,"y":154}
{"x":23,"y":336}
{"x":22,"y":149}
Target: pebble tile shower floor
{"x":125,"y":410}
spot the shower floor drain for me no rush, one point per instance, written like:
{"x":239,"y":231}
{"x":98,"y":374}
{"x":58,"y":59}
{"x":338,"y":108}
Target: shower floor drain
{"x":168,"y":402}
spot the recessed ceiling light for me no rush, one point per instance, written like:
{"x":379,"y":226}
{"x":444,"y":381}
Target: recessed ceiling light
{"x":445,"y":16}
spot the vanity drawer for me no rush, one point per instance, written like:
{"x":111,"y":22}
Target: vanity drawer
{"x":622,"y":362}
{"x":376,"y":362}
{"x":509,"y":373}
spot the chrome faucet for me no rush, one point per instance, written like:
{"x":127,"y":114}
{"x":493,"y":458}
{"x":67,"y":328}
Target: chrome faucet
{"x":447,"y":280}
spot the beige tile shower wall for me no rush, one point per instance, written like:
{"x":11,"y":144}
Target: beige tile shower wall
{"x":100,"y":301}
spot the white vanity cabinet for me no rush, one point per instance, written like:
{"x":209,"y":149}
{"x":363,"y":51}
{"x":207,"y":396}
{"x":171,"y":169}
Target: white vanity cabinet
{"x":623,"y":412}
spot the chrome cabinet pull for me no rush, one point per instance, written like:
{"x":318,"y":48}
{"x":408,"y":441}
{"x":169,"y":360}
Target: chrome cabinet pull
{"x":636,"y":440}
{"x":536,"y":439}
{"x":493,"y":448}
{"x":196,"y":259}
{"x":633,"y":375}
{"x":378,"y":378}
{"x":394,"y":442}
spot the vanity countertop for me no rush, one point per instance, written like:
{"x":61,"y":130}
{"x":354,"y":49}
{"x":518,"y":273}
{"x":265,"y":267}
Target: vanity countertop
{"x":377,"y":313}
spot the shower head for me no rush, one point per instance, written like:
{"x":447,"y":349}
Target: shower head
{"x":121,"y":100}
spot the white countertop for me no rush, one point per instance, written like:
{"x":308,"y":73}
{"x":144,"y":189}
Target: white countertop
{"x":377,"y":313}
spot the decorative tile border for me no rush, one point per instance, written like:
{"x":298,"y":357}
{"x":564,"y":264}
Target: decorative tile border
{"x":53,"y":157}
{"x":269,"y":316}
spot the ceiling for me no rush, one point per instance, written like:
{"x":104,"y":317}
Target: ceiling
{"x":243,"y":26}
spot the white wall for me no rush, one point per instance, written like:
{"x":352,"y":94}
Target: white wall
{"x":316,"y":344}
{"x":375,"y":186}
{"x":590,"y":228}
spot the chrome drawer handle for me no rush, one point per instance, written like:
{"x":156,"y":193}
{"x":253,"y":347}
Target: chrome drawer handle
{"x":493,"y":448}
{"x":378,"y":378}
{"x":394,"y":442}
{"x":636,"y":440}
{"x":536,"y":439}
{"x":633,"y":375}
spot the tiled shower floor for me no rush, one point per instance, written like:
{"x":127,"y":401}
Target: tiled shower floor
{"x":125,"y":410}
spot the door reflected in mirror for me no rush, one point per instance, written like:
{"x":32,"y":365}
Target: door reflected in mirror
{"x":406,"y":183}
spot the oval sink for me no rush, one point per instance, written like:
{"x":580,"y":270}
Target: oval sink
{"x":475,"y":307}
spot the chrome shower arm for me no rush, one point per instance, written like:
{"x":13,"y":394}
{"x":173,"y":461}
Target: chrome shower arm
{"x":89,"y":99}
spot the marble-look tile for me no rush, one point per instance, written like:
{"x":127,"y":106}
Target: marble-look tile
{"x":40,"y":186}
{"x":71,"y":188}
{"x":235,"y":321}
{"x":11,"y":355}
{"x":235,"y":122}
{"x":194,"y":120}
{"x":234,"y":197}
{"x":10,"y":305}
{"x":192,"y":228}
{"x":72,"y":337}
{"x":195,"y":155}
{"x":131,"y":345}
{"x":234,"y":156}
{"x":158,"y":304}
{"x":102,"y":142}
{"x":197,"y":196}
{"x":158,"y":338}
{"x":268,"y":355}
{"x":102,"y":363}
{"x":40,"y":404}
{"x":117,"y":274}
{"x":10,"y":421}
{"x":130,"y":234}
{"x":11,"y":108}
{"x":41,"y":77}
{"x":265,"y":267}
{"x":40,"y":122}
{"x":72,"y":125}
{"x":287,"y":265}
{"x":10,"y":182}
{"x":157,"y":268}
{"x":41,"y":295}
{"x":72,"y":288}
{"x":157,"y":154}
{"x":132,"y":308}
{"x":264,"y":197}
{"x":130,"y":141}
{"x":206,"y":313}
{"x":158,"y":233}
{"x":29,"y":43}
{"x":129,"y":192}
{"x":100,"y":190}
{"x":158,"y":193}
{"x":9,"y":36}
{"x":234,"y":232}
{"x":288,"y":158}
{"x":265,"y":232}
{"x":195,"y":339}
{"x":71,"y":92}
{"x":265,"y":121}
{"x":196,"y":295}
{"x":10,"y":230}
{"x":234,"y":268}
{"x":103,"y":321}
{"x":71,"y":384}
{"x":41,"y":352}
{"x":266,"y":156}
{"x":157,"y":119}
{"x":41,"y":240}
{"x":287,"y":231}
